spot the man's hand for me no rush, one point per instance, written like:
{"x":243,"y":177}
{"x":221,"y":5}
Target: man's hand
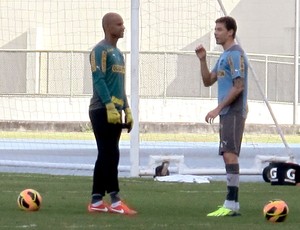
{"x":128,"y":119}
{"x":113,"y":116}
{"x":212,"y":115}
{"x":200,"y":52}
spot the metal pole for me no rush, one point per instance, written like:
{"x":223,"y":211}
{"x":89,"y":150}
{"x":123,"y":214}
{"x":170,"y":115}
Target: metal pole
{"x":296,"y":65}
{"x":134,"y":135}
{"x":289,"y":152}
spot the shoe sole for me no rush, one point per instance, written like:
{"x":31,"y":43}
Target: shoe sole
{"x":231,"y":215}
{"x":123,"y":213}
{"x":91,"y":210}
{"x":234,"y":214}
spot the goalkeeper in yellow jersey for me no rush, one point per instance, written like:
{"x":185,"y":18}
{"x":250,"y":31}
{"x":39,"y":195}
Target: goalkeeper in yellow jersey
{"x":105,"y":111}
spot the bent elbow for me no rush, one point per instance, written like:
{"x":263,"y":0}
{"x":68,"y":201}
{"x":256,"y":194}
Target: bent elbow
{"x":206,"y":84}
{"x":241,"y":89}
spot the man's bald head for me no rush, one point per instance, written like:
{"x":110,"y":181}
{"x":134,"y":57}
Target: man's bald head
{"x":108,"y":19}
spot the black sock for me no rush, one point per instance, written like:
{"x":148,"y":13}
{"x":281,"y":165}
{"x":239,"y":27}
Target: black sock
{"x":96,"y":198}
{"x":114,"y":197}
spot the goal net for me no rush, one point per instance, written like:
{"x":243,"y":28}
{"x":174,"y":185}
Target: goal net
{"x":46,"y":83}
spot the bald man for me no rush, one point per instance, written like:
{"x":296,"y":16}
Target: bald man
{"x":105,"y":111}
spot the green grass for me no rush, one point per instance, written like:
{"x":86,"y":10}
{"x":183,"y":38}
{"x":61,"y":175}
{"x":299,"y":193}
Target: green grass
{"x":160,"y":205}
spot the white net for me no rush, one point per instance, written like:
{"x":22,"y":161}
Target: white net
{"x":44,"y":48}
{"x":55,"y":25}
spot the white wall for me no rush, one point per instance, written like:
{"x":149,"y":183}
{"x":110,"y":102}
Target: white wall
{"x":151,"y":110}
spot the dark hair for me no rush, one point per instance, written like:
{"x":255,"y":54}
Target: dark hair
{"x":229,"y":23}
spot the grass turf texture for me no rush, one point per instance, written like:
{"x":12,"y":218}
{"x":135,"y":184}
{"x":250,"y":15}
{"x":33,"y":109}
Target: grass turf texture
{"x":160,"y":205}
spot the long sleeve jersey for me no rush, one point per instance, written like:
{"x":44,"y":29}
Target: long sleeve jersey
{"x":108,"y":73}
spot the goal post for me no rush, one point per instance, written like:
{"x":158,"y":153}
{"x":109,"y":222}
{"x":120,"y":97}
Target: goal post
{"x":134,"y":67}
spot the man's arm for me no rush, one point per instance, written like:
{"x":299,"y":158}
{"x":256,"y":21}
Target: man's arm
{"x":238,"y":87}
{"x":98,"y":66}
{"x":209,"y":78}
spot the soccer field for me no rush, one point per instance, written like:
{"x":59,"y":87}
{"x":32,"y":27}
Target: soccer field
{"x":160,"y":205}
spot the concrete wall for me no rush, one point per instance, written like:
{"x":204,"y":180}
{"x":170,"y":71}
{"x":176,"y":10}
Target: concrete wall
{"x":151,"y":110}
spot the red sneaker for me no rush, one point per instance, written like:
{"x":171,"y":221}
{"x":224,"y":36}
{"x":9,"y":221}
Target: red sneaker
{"x":122,"y":208}
{"x":100,"y":208}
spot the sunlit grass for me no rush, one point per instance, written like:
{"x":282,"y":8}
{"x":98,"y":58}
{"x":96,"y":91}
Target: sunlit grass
{"x":160,"y":205}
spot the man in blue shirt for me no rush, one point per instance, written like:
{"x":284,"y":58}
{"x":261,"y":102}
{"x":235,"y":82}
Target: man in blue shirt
{"x":231,"y":73}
